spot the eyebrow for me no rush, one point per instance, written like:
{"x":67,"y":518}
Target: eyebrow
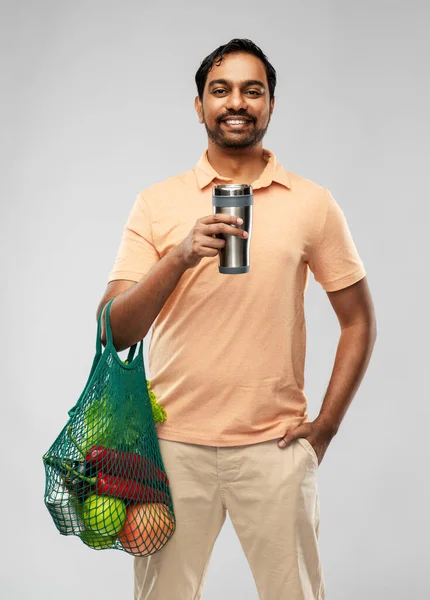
{"x":245,"y":83}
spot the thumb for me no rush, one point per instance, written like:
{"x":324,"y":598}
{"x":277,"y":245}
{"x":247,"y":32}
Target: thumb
{"x":290,"y":436}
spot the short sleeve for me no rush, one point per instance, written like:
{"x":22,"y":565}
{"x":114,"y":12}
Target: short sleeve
{"x":335,"y":261}
{"x":137,"y":253}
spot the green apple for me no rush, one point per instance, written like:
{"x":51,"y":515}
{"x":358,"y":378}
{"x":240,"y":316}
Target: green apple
{"x":96,"y":540}
{"x":104,"y":514}
{"x":94,"y":436}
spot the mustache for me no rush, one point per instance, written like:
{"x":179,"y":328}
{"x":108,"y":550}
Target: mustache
{"x":238,"y":115}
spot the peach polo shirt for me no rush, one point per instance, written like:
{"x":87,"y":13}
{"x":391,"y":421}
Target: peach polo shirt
{"x":227,"y":352}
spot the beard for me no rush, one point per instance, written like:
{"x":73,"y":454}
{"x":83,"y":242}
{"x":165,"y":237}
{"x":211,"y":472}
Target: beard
{"x":235,"y":139}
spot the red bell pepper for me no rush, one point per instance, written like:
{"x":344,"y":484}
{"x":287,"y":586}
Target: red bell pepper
{"x":123,"y":464}
{"x":121,"y":487}
{"x":128,"y":464}
{"x":128,"y":489}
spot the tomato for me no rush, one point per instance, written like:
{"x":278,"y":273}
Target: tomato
{"x":147,"y":528}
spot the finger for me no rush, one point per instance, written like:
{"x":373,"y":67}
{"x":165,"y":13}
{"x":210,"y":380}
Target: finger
{"x":221,"y":218}
{"x":212,"y":242}
{"x":283,"y":442}
{"x":224,"y":229}
{"x":289,"y":437}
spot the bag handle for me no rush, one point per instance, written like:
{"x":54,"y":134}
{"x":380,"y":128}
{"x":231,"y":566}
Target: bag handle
{"x":109,"y":337}
{"x":109,"y":340}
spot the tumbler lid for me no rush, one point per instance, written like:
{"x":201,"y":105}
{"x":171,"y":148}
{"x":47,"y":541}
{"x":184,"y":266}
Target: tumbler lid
{"x":232,"y":189}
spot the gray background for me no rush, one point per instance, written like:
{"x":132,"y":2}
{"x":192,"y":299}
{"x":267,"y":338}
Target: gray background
{"x":97,"y":104}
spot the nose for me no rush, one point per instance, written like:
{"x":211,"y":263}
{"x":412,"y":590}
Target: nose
{"x":236,"y":100}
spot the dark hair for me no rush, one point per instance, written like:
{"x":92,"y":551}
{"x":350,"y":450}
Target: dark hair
{"x":235,"y":45}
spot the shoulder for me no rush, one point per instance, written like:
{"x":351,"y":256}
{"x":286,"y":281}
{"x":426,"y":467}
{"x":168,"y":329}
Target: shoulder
{"x":306,"y":187}
{"x":172,"y":185}
{"x":309,"y":194}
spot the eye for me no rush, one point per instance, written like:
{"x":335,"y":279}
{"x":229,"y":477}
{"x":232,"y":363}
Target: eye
{"x":218,"y":90}
{"x":254,"y":92}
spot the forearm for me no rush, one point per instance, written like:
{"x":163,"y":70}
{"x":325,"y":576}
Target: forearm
{"x":134,"y":311}
{"x":352,"y":358}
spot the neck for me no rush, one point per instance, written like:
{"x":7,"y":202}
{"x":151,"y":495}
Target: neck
{"x":241,"y":165}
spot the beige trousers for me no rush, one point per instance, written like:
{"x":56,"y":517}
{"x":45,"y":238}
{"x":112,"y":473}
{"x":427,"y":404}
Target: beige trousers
{"x":272,"y":499}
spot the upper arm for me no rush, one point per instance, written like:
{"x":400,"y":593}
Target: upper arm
{"x":333,"y":256}
{"x":137,"y":252}
{"x":113,"y":289}
{"x":353,"y":304}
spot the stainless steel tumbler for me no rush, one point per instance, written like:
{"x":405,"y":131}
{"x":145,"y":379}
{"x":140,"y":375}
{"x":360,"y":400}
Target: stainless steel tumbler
{"x":234,"y":199}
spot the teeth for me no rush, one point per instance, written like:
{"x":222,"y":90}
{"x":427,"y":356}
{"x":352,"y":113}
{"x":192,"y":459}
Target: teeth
{"x":235,"y":121}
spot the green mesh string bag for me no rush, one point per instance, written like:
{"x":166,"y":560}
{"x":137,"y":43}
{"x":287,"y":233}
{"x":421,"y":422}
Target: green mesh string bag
{"x":105,"y":477}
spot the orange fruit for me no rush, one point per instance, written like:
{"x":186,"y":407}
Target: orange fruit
{"x":147,"y":528}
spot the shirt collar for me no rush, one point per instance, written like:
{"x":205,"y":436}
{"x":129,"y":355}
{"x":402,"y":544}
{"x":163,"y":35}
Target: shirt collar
{"x":273,"y":171}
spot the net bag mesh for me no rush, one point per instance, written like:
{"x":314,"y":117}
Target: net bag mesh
{"x":105,"y":477}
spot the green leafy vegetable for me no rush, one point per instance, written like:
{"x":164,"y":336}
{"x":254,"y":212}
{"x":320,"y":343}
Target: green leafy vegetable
{"x":158,"y":411}
{"x":98,"y":420}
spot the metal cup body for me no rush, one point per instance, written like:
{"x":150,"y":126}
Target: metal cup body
{"x":236,"y":200}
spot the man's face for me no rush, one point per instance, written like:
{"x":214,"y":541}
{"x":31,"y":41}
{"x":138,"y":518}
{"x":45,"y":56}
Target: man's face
{"x":236,"y":90}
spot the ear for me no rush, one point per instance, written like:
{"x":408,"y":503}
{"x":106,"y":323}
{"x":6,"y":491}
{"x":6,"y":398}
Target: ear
{"x":199,"y":109}
{"x":272,"y":106}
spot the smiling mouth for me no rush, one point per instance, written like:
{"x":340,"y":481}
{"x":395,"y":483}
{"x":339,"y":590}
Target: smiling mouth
{"x":236,"y":123}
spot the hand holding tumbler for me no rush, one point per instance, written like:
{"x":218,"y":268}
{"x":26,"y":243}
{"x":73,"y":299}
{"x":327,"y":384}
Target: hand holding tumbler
{"x":237,"y":200}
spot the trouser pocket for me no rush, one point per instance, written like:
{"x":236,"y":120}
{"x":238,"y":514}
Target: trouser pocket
{"x":309,"y":449}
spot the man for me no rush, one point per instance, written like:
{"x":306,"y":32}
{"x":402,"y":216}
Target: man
{"x":227,"y":352}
